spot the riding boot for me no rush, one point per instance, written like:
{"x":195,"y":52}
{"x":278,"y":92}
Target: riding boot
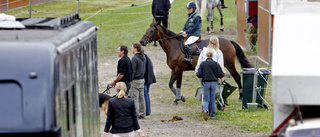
{"x":222,"y":4}
{"x":189,"y":54}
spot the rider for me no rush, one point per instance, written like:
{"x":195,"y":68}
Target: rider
{"x":192,"y":28}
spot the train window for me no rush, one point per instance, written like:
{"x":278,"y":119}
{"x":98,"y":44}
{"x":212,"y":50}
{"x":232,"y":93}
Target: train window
{"x":73,"y":104}
{"x":67,"y":110}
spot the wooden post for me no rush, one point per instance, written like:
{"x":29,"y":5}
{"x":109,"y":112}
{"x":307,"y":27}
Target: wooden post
{"x":255,"y":78}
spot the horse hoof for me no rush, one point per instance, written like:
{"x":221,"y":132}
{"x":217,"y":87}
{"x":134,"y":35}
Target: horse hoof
{"x":221,"y":29}
{"x":183,"y":99}
{"x":240,"y":99}
{"x":175,"y":103}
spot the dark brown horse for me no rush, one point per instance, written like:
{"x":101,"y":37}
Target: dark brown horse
{"x":170,"y":43}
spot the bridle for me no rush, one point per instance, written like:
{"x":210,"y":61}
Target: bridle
{"x":150,"y":39}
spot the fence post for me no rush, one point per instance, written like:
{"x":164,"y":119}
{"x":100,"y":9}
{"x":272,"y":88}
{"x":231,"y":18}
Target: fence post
{"x":30,"y":8}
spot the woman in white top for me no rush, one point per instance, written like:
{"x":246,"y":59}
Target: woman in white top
{"x":217,"y":54}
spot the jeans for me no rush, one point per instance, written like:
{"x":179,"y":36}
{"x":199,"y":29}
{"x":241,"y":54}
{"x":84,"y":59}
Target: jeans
{"x":137,"y":94}
{"x":209,"y":97}
{"x":147,"y":99}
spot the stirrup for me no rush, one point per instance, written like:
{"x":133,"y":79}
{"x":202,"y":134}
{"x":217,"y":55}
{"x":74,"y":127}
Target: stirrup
{"x":188,"y":60}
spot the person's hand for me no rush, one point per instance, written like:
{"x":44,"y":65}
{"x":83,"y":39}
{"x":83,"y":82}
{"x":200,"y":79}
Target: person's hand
{"x":104,"y":135}
{"x":182,"y":32}
{"x":196,"y":74}
{"x":112,"y":84}
{"x":141,"y":135}
{"x":222,"y":79}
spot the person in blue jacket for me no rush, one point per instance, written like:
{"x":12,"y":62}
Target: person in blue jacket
{"x":192,"y":28}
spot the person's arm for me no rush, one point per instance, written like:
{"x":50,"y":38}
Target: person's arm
{"x":199,"y":62}
{"x":221,"y":60}
{"x":152,"y":8}
{"x":200,"y":71}
{"x":109,"y":119}
{"x":119,"y":77}
{"x":219,"y":71}
{"x":196,"y":25}
{"x":168,"y":4}
{"x":134,"y":66}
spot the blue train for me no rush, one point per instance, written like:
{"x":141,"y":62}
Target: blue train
{"x":49,"y":78}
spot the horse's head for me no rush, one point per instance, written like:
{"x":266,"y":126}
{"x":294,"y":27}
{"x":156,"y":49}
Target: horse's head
{"x":150,"y":35}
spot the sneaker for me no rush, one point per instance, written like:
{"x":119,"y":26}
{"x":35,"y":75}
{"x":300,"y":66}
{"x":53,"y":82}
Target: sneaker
{"x":204,"y":113}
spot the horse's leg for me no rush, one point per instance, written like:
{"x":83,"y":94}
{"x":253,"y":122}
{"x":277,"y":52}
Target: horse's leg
{"x":173,"y":78}
{"x":178,"y":86}
{"x":237,"y":78}
{"x":221,"y":18}
{"x":209,"y":17}
{"x":211,"y":23}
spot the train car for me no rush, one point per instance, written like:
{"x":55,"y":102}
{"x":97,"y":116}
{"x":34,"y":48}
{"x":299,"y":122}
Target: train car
{"x":49,"y":78}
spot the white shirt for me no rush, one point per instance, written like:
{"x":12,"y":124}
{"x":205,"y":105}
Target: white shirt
{"x":217,"y":56}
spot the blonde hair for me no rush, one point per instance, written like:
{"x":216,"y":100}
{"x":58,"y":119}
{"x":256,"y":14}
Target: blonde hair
{"x":121,"y":89}
{"x":209,"y":54}
{"x":213,"y":43}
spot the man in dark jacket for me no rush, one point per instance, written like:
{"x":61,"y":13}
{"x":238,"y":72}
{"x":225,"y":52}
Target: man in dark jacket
{"x":210,"y":72}
{"x":149,"y":78}
{"x":160,"y":11}
{"x":137,"y":85}
{"x":124,"y":68}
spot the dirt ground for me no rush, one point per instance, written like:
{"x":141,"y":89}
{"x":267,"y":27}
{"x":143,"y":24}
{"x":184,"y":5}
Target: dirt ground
{"x":157,"y":124}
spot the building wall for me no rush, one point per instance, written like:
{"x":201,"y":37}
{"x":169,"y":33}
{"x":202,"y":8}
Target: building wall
{"x":264,"y":31}
{"x":241,"y":22}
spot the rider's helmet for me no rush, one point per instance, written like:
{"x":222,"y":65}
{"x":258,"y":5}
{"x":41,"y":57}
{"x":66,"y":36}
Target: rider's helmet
{"x":191,"y":4}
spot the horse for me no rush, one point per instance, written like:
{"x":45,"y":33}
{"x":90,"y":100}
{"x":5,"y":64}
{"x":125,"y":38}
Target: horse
{"x":170,"y":43}
{"x":211,"y":4}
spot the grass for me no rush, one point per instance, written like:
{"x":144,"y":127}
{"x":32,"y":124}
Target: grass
{"x":121,"y":24}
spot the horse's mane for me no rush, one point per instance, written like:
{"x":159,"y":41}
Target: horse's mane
{"x":169,"y":32}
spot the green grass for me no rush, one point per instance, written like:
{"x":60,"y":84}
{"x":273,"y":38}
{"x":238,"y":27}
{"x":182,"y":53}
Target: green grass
{"x":121,"y":24}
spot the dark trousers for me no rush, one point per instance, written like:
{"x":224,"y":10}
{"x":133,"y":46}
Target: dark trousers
{"x":164,"y":21}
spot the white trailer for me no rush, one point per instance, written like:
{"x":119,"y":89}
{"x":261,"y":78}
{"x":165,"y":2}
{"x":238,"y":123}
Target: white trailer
{"x":295,"y":68}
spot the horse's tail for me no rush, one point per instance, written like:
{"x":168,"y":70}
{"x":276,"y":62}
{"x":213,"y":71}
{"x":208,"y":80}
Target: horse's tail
{"x":241,"y":57}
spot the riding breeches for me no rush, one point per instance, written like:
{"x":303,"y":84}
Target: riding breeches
{"x":191,"y":40}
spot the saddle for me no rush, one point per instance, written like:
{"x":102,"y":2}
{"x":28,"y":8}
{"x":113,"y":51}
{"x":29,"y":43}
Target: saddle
{"x":196,"y":47}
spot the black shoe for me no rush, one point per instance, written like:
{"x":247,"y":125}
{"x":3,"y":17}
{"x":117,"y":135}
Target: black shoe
{"x":224,"y":6}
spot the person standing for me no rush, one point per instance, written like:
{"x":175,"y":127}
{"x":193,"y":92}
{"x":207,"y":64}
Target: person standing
{"x":137,"y":85}
{"x":149,"y":78}
{"x":210,"y":72}
{"x":217,"y":53}
{"x":122,"y":118}
{"x":124,"y":68}
{"x":192,"y":28}
{"x":160,"y":11}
